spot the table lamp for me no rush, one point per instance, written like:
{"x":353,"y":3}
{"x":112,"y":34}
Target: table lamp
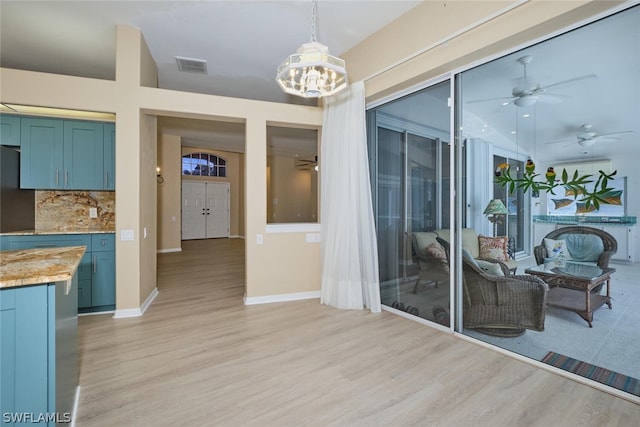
{"x":495,"y":211}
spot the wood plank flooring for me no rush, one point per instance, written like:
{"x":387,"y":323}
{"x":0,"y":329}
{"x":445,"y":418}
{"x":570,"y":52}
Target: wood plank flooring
{"x":199,"y":357}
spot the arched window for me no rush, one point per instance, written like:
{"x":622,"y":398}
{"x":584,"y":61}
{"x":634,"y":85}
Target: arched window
{"x":204,"y":164}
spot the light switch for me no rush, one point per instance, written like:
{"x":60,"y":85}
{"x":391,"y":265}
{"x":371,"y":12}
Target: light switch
{"x":126,"y":234}
{"x":259,"y":239}
{"x":93,"y":212}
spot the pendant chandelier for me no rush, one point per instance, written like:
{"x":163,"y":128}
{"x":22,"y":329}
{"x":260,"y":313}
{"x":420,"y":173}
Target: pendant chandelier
{"x":312,"y":72}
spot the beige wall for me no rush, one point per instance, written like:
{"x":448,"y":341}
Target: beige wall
{"x":169,"y":205}
{"x":292,"y":193}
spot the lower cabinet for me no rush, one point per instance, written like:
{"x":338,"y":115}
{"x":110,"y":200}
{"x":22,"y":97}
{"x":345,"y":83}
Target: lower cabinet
{"x":103,"y":273}
{"x":96,"y":272}
{"x":38,"y":354}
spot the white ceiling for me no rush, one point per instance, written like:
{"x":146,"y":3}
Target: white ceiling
{"x":242,"y":41}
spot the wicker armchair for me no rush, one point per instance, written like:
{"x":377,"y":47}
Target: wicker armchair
{"x":501,"y":305}
{"x":609,"y":242}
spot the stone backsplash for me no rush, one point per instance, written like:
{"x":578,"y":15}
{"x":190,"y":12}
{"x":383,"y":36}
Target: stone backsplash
{"x":69,"y":210}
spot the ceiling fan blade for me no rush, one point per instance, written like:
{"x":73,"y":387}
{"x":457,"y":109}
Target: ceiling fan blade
{"x":563,"y":82}
{"x":615,"y":133}
{"x":569,"y":141}
{"x":504,"y":99}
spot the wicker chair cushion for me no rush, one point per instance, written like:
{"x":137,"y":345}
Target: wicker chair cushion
{"x":557,"y":248}
{"x":489,"y":267}
{"x":583,"y":247}
{"x":494,"y":247}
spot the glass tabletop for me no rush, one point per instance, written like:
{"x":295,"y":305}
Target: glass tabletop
{"x":569,"y":268}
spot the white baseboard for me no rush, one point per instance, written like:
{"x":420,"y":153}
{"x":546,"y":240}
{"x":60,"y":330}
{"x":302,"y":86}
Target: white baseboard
{"x":137,"y":312}
{"x":165,"y":251}
{"x":281,"y":298}
{"x":236,"y":236}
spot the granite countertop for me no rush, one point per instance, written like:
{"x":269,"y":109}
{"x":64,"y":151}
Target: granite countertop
{"x":36,"y":232}
{"x":37,"y":266}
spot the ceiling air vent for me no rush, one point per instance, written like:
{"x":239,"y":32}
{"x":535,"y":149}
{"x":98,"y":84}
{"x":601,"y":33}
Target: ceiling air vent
{"x":191,"y":65}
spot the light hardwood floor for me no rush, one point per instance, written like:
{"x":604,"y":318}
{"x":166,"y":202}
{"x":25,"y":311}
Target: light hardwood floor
{"x":199,"y":357}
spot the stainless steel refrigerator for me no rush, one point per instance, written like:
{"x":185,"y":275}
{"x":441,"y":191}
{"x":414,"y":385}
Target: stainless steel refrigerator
{"x":17,"y":207}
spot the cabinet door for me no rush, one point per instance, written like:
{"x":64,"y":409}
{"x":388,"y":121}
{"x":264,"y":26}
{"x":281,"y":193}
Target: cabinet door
{"x":83,"y":155}
{"x":41,"y":159}
{"x":103,"y":286}
{"x":109,"y":156}
{"x":10,"y":130}
{"x":25,"y":350}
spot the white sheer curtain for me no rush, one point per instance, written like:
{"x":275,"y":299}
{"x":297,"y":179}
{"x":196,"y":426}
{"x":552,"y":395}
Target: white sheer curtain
{"x":349,"y":248}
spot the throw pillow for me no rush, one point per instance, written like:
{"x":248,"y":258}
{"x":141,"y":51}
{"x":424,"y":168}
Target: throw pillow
{"x":490,"y":268}
{"x":556,"y":248}
{"x":435,"y":250}
{"x":495,"y":248}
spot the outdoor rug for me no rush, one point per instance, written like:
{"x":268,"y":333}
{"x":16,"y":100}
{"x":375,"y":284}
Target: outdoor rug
{"x":605,"y":376}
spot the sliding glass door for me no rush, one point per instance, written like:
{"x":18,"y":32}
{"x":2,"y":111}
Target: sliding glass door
{"x":408,"y":141}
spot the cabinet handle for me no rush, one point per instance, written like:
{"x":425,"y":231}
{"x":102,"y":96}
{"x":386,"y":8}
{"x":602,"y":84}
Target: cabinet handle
{"x":66,"y":178}
{"x":106,"y":179}
{"x":94,"y":264}
{"x":57,"y":177}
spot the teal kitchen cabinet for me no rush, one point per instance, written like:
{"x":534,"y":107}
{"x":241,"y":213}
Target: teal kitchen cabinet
{"x":109,"y":156}
{"x":83,"y":155}
{"x":38,"y":352}
{"x":67,"y":154}
{"x":103,"y":276}
{"x":41,"y":153}
{"x":9,"y":130}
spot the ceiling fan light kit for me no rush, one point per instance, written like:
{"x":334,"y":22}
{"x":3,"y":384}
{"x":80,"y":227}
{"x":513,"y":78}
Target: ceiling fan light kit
{"x":312,"y":72}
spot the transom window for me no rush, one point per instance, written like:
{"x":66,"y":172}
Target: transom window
{"x":204,"y":164}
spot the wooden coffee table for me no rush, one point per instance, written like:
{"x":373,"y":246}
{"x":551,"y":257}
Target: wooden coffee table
{"x":570,"y":286}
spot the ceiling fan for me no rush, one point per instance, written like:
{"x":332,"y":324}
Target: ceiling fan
{"x":528,"y":92}
{"x":588,"y":137}
{"x":306,"y":162}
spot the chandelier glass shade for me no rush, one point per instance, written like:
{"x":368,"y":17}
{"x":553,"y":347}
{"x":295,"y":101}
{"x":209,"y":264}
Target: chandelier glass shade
{"x":312,"y":72}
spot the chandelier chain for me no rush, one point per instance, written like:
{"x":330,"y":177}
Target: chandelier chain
{"x":313,"y":21}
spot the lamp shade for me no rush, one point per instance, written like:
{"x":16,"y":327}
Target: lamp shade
{"x":496,"y":207}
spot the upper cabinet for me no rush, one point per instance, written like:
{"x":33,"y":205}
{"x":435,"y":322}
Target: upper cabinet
{"x":41,"y":153}
{"x":10,"y":130}
{"x":66,"y":154}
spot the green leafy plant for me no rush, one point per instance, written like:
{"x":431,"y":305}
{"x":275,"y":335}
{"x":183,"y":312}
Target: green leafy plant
{"x":575,"y":186}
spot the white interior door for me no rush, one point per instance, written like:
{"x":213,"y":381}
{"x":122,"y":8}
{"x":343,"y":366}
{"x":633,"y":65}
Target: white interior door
{"x":217,"y":209}
{"x":194,"y":218}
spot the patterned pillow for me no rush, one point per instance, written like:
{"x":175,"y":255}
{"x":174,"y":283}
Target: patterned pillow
{"x":435,"y":250}
{"x":495,"y":248}
{"x":556,"y":248}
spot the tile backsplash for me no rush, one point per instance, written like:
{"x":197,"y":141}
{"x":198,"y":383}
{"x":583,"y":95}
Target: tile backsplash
{"x":69,"y":210}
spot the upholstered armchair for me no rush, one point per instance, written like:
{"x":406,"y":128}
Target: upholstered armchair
{"x":504,"y":305}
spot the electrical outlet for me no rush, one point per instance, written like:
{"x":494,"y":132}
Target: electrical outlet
{"x":93,"y":212}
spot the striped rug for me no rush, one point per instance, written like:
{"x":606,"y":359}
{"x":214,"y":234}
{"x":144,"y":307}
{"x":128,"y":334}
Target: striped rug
{"x":596,"y":373}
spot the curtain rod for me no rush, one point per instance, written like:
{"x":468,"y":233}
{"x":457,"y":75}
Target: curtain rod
{"x":447,"y":39}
